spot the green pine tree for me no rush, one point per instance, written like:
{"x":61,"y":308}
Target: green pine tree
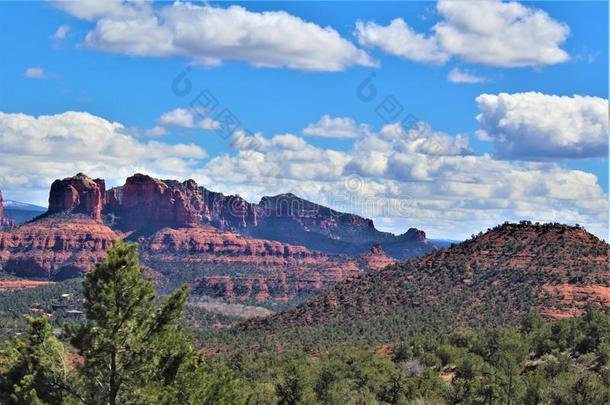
{"x":135,"y":348}
{"x":36,"y":370}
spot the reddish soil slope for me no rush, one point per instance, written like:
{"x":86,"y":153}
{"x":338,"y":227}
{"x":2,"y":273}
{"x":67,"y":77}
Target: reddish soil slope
{"x":492,"y":279}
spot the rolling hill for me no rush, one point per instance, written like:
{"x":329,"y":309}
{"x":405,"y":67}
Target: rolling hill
{"x":492,"y":279}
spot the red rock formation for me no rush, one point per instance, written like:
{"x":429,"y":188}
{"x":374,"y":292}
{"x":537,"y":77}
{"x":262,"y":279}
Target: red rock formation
{"x":78,"y":194}
{"x":572,"y":299}
{"x":55,"y":247}
{"x":150,"y":203}
{"x":376,"y":258}
{"x":184,"y":228}
{"x":278,"y":284}
{"x":254,"y":269}
{"x":230,"y":212}
{"x":211,"y":244}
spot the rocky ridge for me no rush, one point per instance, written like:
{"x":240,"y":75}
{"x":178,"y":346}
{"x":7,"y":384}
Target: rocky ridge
{"x":186,"y":234}
{"x":146,"y":205}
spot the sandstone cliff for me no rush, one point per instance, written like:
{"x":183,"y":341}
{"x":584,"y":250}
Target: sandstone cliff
{"x":55,"y":247}
{"x":78,"y":194}
{"x":145,"y":205}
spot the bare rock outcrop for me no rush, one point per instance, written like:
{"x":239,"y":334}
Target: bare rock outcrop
{"x":376,"y":258}
{"x":146,"y":202}
{"x":55,"y":247}
{"x":78,"y":194}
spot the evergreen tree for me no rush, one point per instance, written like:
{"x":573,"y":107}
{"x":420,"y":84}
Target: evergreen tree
{"x":34,"y":371}
{"x":135,"y":349}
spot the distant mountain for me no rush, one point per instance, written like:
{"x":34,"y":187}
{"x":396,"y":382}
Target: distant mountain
{"x":21,"y":212}
{"x":443,"y":243}
{"x":494,"y":278}
{"x":5,"y":222}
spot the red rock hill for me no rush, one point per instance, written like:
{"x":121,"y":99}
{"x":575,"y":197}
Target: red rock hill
{"x":494,"y":278}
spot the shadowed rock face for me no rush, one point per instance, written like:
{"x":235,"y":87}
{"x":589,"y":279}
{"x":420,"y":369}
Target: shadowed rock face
{"x":147,"y":203}
{"x":230,"y":212}
{"x":78,"y":194}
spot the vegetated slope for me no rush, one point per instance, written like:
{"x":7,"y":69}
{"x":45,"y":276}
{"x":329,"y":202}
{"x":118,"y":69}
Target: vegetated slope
{"x":491,"y":279}
{"x":60,"y":300}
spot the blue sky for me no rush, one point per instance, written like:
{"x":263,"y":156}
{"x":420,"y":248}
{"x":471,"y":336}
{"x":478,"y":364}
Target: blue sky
{"x":121,"y":75}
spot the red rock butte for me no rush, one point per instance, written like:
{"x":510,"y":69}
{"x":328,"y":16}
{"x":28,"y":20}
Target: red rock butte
{"x":78,"y":194}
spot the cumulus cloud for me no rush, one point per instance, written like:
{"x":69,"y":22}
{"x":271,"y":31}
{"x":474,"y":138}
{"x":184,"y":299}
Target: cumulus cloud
{"x":420,"y":177}
{"x":61,"y":32}
{"x":210,"y":35}
{"x":180,"y":117}
{"x":187,"y":118}
{"x":489,"y":32}
{"x":335,"y":127}
{"x":36,"y":150}
{"x":457,"y":75}
{"x":400,"y":39}
{"x":536,"y":126}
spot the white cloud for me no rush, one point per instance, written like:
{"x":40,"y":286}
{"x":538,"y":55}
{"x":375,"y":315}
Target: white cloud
{"x":187,"y":118}
{"x":420,"y":177}
{"x":457,"y":75}
{"x":209,"y":123}
{"x":93,"y":9}
{"x":210,"y":35}
{"x":535,"y":126}
{"x":399,"y":39}
{"x":61,"y":32}
{"x":180,"y":117}
{"x":335,"y":127}
{"x":36,"y":73}
{"x":36,"y":150}
{"x":155,"y":131}
{"x":486,"y":32}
